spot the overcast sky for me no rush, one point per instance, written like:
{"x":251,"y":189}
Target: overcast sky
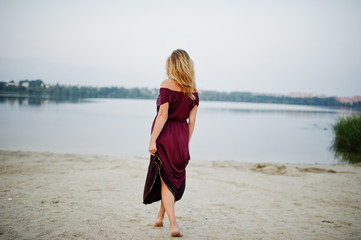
{"x":259,"y":46}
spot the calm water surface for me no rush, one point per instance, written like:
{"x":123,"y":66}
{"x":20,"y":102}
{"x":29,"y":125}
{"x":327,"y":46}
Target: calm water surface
{"x":245,"y":132}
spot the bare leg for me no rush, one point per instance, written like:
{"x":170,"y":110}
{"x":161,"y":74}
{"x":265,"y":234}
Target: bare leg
{"x":168,"y":203}
{"x":160,"y":217}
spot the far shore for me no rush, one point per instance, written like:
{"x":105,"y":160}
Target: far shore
{"x":75,"y":196}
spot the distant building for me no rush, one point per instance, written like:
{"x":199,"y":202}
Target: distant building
{"x":12,"y":83}
{"x":356,"y":99}
{"x":24,"y":84}
{"x":306,"y":95}
{"x":352,"y":100}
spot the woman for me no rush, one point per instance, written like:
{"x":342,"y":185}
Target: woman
{"x":171,"y":134}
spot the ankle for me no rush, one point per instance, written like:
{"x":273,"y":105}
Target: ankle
{"x":160,"y":218}
{"x":160,"y":215}
{"x":173,"y":225}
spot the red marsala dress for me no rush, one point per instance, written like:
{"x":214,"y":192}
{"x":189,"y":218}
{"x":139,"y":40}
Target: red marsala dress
{"x":172,"y":147}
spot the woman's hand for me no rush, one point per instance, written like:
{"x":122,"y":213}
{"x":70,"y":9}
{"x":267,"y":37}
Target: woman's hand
{"x":152,"y":148}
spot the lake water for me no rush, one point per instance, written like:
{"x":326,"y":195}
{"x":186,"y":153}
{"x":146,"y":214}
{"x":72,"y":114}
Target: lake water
{"x":244,"y":132}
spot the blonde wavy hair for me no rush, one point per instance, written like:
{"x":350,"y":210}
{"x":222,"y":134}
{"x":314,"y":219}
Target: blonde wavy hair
{"x":180,"y":68}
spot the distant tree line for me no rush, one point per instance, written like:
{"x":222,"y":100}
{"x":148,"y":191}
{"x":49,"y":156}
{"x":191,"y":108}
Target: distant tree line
{"x":62,"y":92}
{"x":263,"y":98}
{"x":38,"y":88}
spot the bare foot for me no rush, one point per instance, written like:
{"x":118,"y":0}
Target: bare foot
{"x":174,"y":231}
{"x":177,"y":234}
{"x":158,"y":223}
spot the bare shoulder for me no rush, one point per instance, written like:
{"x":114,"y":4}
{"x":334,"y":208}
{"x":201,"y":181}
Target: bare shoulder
{"x":166,"y":84}
{"x":171,"y":84}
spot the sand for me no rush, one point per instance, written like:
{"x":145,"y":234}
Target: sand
{"x":71,"y":196}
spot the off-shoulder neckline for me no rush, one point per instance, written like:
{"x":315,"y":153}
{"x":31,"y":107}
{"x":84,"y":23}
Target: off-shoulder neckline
{"x":176,"y":91}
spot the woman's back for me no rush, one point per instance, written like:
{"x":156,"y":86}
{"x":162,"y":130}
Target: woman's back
{"x":180,"y":104}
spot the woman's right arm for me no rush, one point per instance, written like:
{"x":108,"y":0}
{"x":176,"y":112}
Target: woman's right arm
{"x":158,"y":126}
{"x":192,"y":121}
{"x":161,"y":119}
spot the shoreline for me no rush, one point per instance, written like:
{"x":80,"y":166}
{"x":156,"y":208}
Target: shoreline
{"x":87,"y":196}
{"x":192,"y":160}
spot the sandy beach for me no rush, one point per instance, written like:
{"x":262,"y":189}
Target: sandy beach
{"x":72,"y":196}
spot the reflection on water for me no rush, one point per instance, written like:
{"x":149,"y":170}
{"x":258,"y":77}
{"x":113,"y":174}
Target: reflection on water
{"x":247,"y":132}
{"x":24,"y":101}
{"x":34,"y":101}
{"x":346,"y":157}
{"x":296,"y":113}
{"x":291,"y":110}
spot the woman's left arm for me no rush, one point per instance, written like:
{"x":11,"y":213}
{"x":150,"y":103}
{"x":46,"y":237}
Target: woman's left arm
{"x":158,"y":126}
{"x":192,"y":121}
